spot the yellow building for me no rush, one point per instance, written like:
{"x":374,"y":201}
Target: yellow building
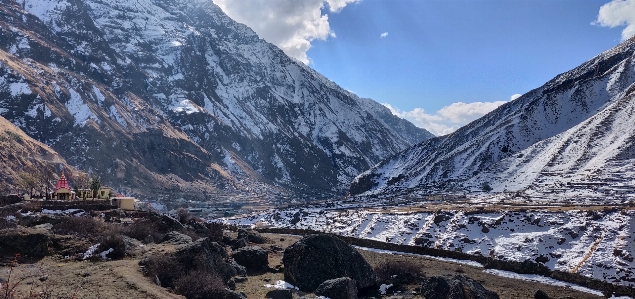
{"x":102,"y":193}
{"x":125,"y":203}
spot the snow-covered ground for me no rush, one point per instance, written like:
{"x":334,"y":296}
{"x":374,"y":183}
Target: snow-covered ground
{"x":596,"y":244}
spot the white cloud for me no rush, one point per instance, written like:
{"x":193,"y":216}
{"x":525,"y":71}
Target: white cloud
{"x":289,"y":24}
{"x":618,"y":13}
{"x":449,"y":118}
{"x":515,"y":96}
{"x":385,"y":34}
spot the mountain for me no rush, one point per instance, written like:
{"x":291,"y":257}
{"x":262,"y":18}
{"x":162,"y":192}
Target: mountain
{"x":173,"y":95}
{"x":573,"y":136}
{"x":20,"y":154}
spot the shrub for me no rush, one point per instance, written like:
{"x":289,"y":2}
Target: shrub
{"x":398,"y":272}
{"x":143,"y":228}
{"x":165,"y":268}
{"x":82,"y":226}
{"x":115,"y":242}
{"x":199,"y":285}
{"x":183,"y":215}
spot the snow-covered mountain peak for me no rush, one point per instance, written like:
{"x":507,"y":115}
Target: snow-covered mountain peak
{"x":570,"y":137}
{"x":174,"y":93}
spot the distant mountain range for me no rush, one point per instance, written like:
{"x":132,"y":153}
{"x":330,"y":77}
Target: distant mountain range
{"x":573,"y":136}
{"x":174,"y":96}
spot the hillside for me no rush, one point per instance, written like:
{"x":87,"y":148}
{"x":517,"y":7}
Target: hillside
{"x":571,"y":137}
{"x":173,"y":96}
{"x":19,"y":153}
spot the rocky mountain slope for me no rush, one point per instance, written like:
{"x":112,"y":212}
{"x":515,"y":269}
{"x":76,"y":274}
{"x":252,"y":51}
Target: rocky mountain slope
{"x":571,"y":137}
{"x":20,"y":153}
{"x":173,"y":95}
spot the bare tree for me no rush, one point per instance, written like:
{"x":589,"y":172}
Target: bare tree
{"x":27,"y":182}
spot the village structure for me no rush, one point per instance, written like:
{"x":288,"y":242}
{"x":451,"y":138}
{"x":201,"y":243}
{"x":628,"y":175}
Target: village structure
{"x":64,"y":192}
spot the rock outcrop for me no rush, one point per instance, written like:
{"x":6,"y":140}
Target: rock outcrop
{"x":254,"y":258}
{"x":339,"y":288}
{"x":206,"y":256}
{"x":457,"y":287}
{"x":318,"y":258}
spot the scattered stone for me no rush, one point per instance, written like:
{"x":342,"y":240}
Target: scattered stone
{"x":317,"y":258}
{"x":176,"y":238}
{"x":275,"y":248}
{"x":240,"y":279}
{"x":457,"y":287}
{"x":252,"y":257}
{"x":280,"y":294}
{"x":339,"y":288}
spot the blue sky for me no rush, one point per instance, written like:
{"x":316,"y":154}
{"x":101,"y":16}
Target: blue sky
{"x":439,"y":64}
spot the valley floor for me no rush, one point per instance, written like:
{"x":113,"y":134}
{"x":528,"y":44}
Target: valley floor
{"x":123,"y":278}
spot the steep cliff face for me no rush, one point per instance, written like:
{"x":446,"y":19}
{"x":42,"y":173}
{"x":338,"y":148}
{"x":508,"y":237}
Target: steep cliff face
{"x":572,"y":136}
{"x":176,"y":95}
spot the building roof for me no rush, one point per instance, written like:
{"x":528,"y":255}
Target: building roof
{"x":62,"y":182}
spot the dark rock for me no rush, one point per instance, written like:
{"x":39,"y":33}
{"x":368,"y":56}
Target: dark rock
{"x":229,"y":294}
{"x":275,"y":248}
{"x":206,"y":256}
{"x":457,"y":287}
{"x":317,"y":258}
{"x":167,"y":223}
{"x":176,"y":238}
{"x":339,"y":288}
{"x":26,"y":241}
{"x":251,"y":236}
{"x":239,"y":243}
{"x":252,"y":257}
{"x":280,"y":294}
{"x":240,"y":270}
{"x":541,"y":295}
{"x":240,"y":279}
{"x":148,"y":239}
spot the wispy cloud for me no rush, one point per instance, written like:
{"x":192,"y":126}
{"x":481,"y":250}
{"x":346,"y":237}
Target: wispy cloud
{"x":618,"y":13}
{"x":449,"y":118}
{"x":385,"y":34}
{"x":289,"y":24}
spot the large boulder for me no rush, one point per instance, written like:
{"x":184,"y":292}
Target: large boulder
{"x":176,"y":238}
{"x":25,"y":241}
{"x":317,"y":258}
{"x":339,"y":288}
{"x":457,"y":287}
{"x":252,"y":257}
{"x":206,"y":256}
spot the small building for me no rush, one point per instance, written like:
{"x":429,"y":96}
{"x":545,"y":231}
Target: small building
{"x":104,"y":192}
{"x":125,"y":203}
{"x":62,"y":190}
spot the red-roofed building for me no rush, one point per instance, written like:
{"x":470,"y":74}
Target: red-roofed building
{"x":62,"y":190}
